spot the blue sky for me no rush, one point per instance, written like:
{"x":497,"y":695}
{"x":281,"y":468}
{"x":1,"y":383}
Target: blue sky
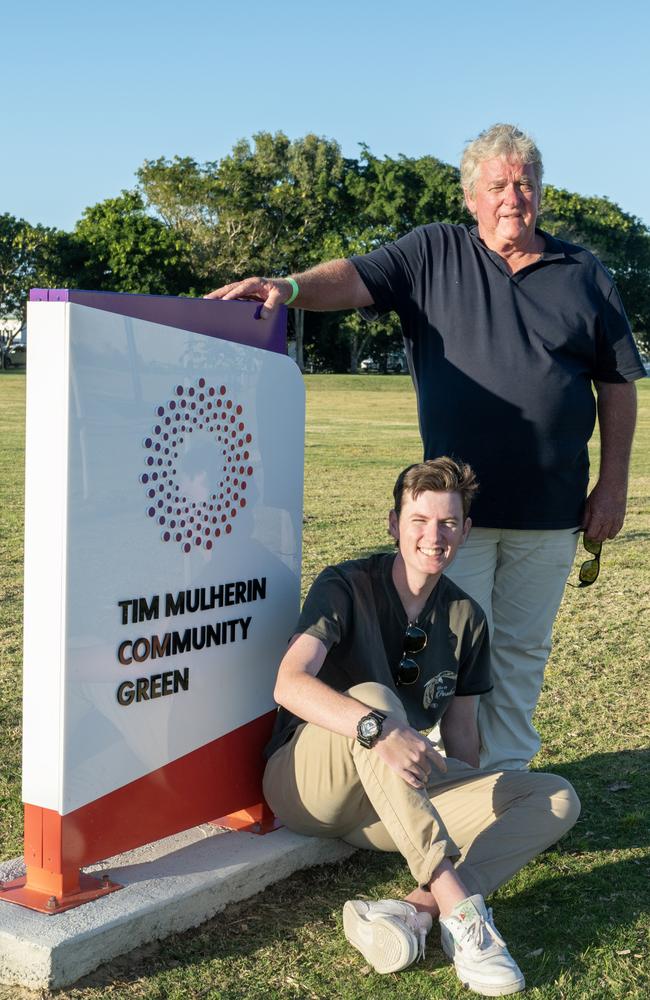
{"x":90,"y":90}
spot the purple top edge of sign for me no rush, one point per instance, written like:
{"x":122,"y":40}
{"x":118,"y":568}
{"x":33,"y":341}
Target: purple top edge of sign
{"x":236,"y":321}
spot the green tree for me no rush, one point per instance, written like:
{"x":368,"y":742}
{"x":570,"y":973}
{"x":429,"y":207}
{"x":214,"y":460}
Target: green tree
{"x":30,"y":256}
{"x":263,"y":209}
{"x":394,"y":195}
{"x":390,"y":196}
{"x":117,"y":246}
{"x":185,"y":198}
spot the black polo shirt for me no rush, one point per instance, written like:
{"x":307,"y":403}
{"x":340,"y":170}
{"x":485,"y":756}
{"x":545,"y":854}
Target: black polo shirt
{"x":503,"y":364}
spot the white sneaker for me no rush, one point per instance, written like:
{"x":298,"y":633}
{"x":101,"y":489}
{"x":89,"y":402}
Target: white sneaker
{"x":483,"y":963}
{"x":389,"y":933}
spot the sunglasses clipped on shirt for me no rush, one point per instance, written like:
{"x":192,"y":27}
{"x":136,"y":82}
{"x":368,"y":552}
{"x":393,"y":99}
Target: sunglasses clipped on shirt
{"x":408,"y":671}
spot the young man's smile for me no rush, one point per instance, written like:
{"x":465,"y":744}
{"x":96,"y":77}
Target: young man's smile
{"x":430,"y":528}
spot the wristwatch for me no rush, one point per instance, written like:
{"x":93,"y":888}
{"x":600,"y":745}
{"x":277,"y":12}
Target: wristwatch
{"x":369,"y":729}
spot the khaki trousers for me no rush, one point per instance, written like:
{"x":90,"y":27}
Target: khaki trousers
{"x":490,"y":824}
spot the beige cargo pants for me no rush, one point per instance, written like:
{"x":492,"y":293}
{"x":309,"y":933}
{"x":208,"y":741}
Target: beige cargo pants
{"x":490,"y":824}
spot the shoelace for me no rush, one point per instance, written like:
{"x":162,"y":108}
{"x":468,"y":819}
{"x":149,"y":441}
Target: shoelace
{"x":474,"y":932}
{"x":411,"y":920}
{"x":414,"y":922}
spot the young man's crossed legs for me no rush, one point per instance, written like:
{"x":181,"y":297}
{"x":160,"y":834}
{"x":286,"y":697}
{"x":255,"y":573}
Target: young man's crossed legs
{"x":463,"y":836}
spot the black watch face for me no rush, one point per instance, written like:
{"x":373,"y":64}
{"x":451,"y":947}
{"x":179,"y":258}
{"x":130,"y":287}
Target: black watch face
{"x":369,"y":728}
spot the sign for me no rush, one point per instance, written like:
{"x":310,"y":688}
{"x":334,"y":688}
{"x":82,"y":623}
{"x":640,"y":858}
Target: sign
{"x":162,"y":567}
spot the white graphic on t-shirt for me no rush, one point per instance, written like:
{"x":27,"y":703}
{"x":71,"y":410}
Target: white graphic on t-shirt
{"x":438,"y":688}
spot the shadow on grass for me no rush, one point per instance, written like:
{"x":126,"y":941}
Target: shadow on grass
{"x":613,"y":789}
{"x":575,"y":907}
{"x":573,"y":899}
{"x":635,"y":536}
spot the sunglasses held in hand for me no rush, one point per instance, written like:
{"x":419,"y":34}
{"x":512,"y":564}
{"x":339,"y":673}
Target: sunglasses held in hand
{"x":591,"y":567}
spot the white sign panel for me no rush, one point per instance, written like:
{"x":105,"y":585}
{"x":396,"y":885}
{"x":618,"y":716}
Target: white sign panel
{"x":163,"y":544}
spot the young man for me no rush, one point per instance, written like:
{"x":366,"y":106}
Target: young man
{"x":385,"y":648}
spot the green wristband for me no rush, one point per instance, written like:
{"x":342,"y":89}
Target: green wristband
{"x":295,"y":292}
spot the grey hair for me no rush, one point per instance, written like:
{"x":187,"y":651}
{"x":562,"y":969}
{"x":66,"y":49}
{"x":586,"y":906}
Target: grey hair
{"x":499,"y":140}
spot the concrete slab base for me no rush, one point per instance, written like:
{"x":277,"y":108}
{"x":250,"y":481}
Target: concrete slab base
{"x":169,"y":886}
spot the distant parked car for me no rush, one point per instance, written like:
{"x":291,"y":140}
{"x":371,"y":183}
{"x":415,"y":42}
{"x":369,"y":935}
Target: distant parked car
{"x":368,"y":365}
{"x":13,"y":338}
{"x":14,"y":355}
{"x":396,"y":362}
{"x":18,"y":353}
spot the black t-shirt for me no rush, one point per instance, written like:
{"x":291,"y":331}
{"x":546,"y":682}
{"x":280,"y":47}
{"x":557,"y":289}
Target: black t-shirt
{"x":503,"y":363}
{"x":355,"y":611}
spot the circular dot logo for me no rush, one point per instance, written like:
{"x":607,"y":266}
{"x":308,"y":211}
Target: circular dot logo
{"x":197,"y":465}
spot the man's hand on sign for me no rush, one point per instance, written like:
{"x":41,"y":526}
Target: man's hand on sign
{"x":272,"y":292}
{"x":408,"y":753}
{"x":327,"y":287}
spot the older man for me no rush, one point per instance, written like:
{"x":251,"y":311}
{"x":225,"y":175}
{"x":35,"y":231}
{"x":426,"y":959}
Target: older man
{"x":506,"y":330}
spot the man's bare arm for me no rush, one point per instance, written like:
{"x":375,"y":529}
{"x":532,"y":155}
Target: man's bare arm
{"x":459,"y":730}
{"x":605,"y":508}
{"x":333,"y":285}
{"x":300,"y":691}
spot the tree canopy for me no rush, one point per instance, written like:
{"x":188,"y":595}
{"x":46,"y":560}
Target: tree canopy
{"x":30,"y":257}
{"x":275,"y":206}
{"x":118,"y":246}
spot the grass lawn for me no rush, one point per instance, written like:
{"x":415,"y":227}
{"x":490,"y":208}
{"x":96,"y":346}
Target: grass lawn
{"x":577,"y":919}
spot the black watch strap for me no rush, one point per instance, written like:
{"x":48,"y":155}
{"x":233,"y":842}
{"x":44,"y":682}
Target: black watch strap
{"x":369,"y":728}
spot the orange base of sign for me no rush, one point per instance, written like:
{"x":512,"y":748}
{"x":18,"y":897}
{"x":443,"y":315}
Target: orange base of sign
{"x":218,"y":779}
{"x":19,"y":892}
{"x":258,"y":819}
